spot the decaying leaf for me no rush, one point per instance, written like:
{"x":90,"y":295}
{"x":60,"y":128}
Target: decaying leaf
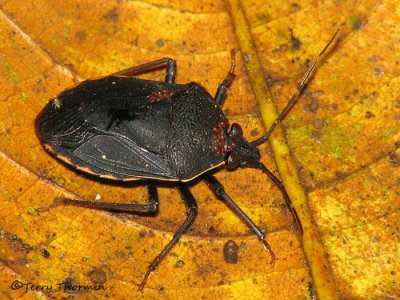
{"x":337,"y":152}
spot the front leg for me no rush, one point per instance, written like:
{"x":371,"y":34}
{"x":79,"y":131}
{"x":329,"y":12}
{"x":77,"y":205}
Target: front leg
{"x":219,"y":190}
{"x":279,"y":184}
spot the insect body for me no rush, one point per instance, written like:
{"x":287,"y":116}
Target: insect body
{"x":123,"y":128}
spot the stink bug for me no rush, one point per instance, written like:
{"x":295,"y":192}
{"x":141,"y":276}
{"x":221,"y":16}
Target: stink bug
{"x":124,"y":128}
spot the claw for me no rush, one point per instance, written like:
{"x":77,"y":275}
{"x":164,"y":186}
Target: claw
{"x":144,"y":280}
{"x":268,"y":247}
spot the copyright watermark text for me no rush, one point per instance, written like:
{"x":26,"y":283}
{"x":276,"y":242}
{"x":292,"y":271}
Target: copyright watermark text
{"x":49,"y":288}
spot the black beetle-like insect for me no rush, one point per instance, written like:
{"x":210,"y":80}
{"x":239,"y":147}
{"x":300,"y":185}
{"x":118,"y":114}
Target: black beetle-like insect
{"x":124,"y":128}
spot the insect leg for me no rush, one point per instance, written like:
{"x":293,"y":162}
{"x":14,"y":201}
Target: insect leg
{"x":169,"y":64}
{"x":219,"y":190}
{"x":279,"y":184}
{"x":223,"y":87}
{"x":151,"y":207}
{"x":192,"y":213}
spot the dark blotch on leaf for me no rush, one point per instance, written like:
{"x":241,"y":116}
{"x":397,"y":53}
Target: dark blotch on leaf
{"x":319,"y":123}
{"x":68,"y":284}
{"x":394,"y":159}
{"x":179,"y":264}
{"x":160,"y":43}
{"x":142,"y":233}
{"x":254,"y":132}
{"x":212,"y":230}
{"x":340,"y":175}
{"x":295,"y":42}
{"x":369,"y":115}
{"x":97,"y":276}
{"x":81,"y":35}
{"x":354,"y":22}
{"x":313,"y":106}
{"x":112,"y":15}
{"x":17,"y":244}
{"x":316,"y":135}
{"x":231,"y":250}
{"x":281,"y":49}
{"x":45,"y":253}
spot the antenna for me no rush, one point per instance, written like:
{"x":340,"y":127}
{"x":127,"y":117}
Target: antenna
{"x":296,"y":94}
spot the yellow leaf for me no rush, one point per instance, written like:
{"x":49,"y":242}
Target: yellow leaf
{"x":337,"y":151}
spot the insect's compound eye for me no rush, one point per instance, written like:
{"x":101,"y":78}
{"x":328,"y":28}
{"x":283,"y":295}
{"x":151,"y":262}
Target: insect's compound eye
{"x":236,"y":130}
{"x":233,"y":161}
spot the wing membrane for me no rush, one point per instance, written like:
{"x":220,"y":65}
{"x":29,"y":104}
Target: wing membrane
{"x":121,"y":158}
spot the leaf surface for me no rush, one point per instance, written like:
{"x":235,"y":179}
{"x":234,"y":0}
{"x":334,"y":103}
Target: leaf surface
{"x":337,"y":151}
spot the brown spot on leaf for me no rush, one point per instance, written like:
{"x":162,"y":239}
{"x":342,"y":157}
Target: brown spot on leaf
{"x":16,"y":243}
{"x":295,"y":42}
{"x":319,"y":123}
{"x":312,"y":106}
{"x":45,"y":253}
{"x":180,"y":264}
{"x":119,"y":253}
{"x":254,"y":132}
{"x":81,"y":35}
{"x":316,"y":135}
{"x":112,"y":15}
{"x":231,"y":250}
{"x":394,"y":159}
{"x":281,"y":49}
{"x":142,"y":233}
{"x":378,"y":71}
{"x":97,"y":276}
{"x":369,"y":115}
{"x":212,"y":230}
{"x":340,"y":175}
{"x":204,"y":270}
{"x":333,"y":106}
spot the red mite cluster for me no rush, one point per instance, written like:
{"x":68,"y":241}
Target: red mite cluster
{"x":160,"y":94}
{"x":220,"y":146}
{"x":218,"y":140}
